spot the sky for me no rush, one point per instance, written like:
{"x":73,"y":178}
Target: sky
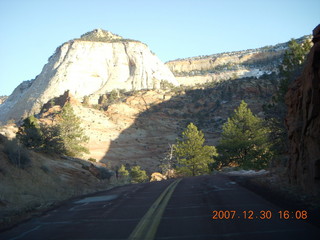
{"x":31,"y":30}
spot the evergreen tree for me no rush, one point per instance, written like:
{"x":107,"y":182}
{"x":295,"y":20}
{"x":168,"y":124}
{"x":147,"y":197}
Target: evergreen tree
{"x":123,"y":172}
{"x":138,"y":175}
{"x":71,"y":133}
{"x":291,"y":66}
{"x":244,"y":140}
{"x":30,"y":134}
{"x":51,"y":137}
{"x":275,"y":112}
{"x":193,"y":158}
{"x":65,"y":137}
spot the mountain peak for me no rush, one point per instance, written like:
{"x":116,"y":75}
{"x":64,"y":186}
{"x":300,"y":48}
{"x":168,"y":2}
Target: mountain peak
{"x":100,"y":35}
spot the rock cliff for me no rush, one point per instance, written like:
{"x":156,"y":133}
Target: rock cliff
{"x":94,"y":64}
{"x":3,"y":99}
{"x":230,"y":65}
{"x":303,"y":122}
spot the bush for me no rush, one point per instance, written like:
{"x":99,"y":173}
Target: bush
{"x":92,"y":160}
{"x":138,"y":175}
{"x":123,"y":172}
{"x":17,"y":155}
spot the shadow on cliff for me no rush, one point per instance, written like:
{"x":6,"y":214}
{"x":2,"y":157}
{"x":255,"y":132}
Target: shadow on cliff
{"x":146,"y":141}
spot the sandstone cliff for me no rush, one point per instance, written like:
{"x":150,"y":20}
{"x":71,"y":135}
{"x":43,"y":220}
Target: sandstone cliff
{"x":138,"y":126}
{"x":94,"y":64}
{"x":230,"y":65}
{"x":303,"y":122}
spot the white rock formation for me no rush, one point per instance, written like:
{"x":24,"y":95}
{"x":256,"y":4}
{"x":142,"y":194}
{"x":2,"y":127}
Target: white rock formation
{"x":94,"y":64}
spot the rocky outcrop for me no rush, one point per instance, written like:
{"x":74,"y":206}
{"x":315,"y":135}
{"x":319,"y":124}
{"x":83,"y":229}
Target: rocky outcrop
{"x":156,"y":177}
{"x":3,"y":99}
{"x":230,"y":65}
{"x":303,"y":122}
{"x":94,"y":64}
{"x":61,"y":101}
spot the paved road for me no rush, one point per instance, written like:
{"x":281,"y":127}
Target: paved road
{"x":167,"y":210}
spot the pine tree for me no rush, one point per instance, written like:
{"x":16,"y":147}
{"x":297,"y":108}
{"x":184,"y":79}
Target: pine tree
{"x":289,"y":69}
{"x":30,"y":134}
{"x":65,"y":137}
{"x":244,"y":140}
{"x":138,"y":175}
{"x":123,"y":172}
{"x":193,"y":158}
{"x":71,"y":133}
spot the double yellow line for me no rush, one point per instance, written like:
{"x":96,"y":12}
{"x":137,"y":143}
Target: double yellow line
{"x":148,"y":225}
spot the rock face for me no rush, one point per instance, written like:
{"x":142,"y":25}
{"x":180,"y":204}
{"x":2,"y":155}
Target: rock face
{"x":223,"y":66}
{"x":94,"y":64}
{"x":303,"y":122}
{"x":3,"y":99}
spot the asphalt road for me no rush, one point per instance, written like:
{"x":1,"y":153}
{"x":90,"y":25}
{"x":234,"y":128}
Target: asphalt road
{"x":171,"y":209}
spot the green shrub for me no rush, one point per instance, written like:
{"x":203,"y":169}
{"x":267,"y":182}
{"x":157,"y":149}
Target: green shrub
{"x":123,"y":172}
{"x":138,"y":175}
{"x":92,"y":160}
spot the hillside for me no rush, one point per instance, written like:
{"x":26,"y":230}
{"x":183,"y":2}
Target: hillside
{"x":229,"y":65}
{"x":136,"y":127}
{"x":43,"y":181}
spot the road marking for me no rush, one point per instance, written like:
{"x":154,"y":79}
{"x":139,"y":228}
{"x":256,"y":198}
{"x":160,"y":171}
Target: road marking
{"x":148,"y":225}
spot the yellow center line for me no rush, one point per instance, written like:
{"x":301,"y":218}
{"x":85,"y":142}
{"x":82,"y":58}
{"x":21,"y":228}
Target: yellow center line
{"x":148,"y":225}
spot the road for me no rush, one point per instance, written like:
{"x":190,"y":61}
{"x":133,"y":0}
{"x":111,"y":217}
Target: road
{"x":173,"y":209}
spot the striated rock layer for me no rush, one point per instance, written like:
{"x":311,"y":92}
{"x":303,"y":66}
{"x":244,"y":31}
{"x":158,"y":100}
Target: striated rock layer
{"x":230,"y":65}
{"x":303,"y":122}
{"x":96,"y":63}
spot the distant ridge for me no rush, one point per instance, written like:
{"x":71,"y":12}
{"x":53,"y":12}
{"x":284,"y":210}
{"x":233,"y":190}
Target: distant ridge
{"x":230,"y":65}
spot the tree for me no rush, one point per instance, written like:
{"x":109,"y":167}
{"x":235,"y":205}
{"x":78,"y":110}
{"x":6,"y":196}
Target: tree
{"x":51,"y":138}
{"x":275,"y":112}
{"x":244,"y":140}
{"x":71,"y":132}
{"x":167,"y":163}
{"x":193,"y":158}
{"x":64,"y":137}
{"x":123,"y":172}
{"x":30,"y":134}
{"x":138,"y":175}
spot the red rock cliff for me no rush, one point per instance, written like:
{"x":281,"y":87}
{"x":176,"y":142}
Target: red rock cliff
{"x":303,"y":122}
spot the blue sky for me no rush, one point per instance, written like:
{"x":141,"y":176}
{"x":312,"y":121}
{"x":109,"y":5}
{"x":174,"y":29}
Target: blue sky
{"x":31,"y":30}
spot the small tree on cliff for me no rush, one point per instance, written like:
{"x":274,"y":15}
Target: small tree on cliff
{"x":244,"y":140}
{"x":193,"y":158}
